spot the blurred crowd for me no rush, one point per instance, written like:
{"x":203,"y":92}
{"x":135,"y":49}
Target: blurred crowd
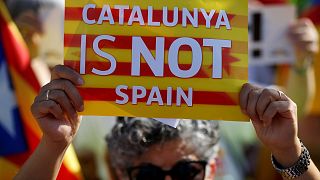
{"x":237,"y":155}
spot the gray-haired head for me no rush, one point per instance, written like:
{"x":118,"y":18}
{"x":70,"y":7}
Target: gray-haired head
{"x":131,"y":137}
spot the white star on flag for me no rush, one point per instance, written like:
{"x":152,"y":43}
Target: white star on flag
{"x":7,"y":101}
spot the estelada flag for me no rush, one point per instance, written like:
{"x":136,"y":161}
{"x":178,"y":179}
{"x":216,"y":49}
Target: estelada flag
{"x":19,"y":131}
{"x":160,"y":59}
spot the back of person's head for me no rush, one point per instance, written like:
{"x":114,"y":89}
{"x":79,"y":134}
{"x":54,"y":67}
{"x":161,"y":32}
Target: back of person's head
{"x":29,"y":20}
{"x":16,"y":7}
{"x":131,"y":138}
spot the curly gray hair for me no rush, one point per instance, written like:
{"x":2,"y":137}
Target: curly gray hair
{"x":131,"y":137}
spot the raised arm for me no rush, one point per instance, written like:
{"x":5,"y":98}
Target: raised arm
{"x":55,"y":109}
{"x":274,"y":117}
{"x":301,"y":84}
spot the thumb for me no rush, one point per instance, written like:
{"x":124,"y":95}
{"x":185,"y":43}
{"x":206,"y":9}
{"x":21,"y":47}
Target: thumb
{"x":258,"y":125}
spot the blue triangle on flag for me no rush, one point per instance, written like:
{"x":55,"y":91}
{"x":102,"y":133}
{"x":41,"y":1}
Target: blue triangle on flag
{"x":12,"y":139}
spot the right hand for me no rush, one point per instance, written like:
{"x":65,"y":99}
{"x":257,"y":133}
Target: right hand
{"x":274,"y":117}
{"x":57,"y":104}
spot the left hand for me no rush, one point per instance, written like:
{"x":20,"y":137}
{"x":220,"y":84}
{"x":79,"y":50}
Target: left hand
{"x":274,"y":117}
{"x":304,"y":35}
{"x":57,"y":105}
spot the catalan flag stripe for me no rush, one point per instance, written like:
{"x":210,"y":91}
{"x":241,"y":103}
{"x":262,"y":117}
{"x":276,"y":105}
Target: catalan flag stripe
{"x":73,"y":54}
{"x":75,"y":14}
{"x":220,"y":112}
{"x":124,"y":69}
{"x":235,"y":7}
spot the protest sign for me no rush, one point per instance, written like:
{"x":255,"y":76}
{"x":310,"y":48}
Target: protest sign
{"x":159,"y":59}
{"x":269,"y":41}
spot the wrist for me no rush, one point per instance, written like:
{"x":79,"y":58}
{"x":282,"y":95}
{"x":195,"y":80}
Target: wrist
{"x":53,"y":145}
{"x":297,"y":169}
{"x":288,"y":156}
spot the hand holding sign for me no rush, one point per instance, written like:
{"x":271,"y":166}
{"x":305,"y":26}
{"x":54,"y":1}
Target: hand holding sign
{"x":274,"y":117}
{"x":57,"y":105}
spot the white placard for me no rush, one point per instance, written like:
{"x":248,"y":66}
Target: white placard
{"x":269,"y":42}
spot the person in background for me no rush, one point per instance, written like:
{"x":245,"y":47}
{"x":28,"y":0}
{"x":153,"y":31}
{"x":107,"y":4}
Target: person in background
{"x":28,"y":16}
{"x":299,"y":82}
{"x":309,"y":126}
{"x":293,"y":79}
{"x":159,"y":152}
{"x":19,"y":86}
{"x":41,"y":24}
{"x":141,"y":148}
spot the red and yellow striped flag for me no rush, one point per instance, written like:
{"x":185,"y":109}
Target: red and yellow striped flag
{"x":162,"y":59}
{"x":26,"y":86}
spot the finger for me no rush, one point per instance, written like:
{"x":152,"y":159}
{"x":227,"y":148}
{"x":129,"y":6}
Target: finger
{"x":78,"y":122}
{"x":274,"y":108}
{"x":306,"y":22}
{"x":62,"y":99}
{"x":69,"y":89}
{"x":75,"y":124}
{"x":244,"y":94}
{"x":252,"y":104}
{"x":304,"y":38}
{"x":267,"y":96}
{"x":313,"y":48}
{"x":39,"y":98}
{"x":303,"y":22}
{"x":258,"y":125}
{"x":303,"y":34}
{"x":298,"y":31}
{"x":297,"y":38}
{"x":306,"y":42}
{"x":306,"y":45}
{"x":64,"y":72}
{"x":44,"y":108}
{"x":309,"y":47}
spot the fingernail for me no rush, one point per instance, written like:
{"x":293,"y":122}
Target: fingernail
{"x":80,"y":81}
{"x":81,"y":108}
{"x":75,"y":116}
